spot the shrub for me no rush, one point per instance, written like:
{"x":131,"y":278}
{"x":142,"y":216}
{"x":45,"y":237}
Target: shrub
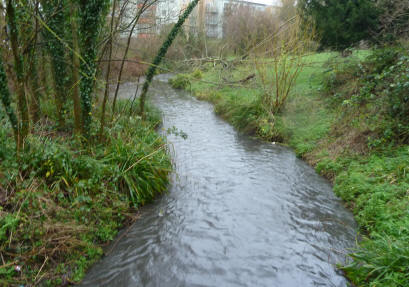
{"x":181,"y":81}
{"x":197,"y":74}
{"x":375,"y":89}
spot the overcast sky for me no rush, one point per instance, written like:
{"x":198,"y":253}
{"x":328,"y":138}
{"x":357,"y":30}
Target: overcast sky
{"x":269,"y":2}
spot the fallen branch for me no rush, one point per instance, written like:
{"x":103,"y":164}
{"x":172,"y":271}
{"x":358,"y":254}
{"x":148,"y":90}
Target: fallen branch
{"x":242,"y":81}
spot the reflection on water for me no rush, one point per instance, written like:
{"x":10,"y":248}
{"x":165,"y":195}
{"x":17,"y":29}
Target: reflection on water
{"x":239,"y":212}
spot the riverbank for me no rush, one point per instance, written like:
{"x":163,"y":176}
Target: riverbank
{"x":62,"y":202}
{"x":339,"y":118}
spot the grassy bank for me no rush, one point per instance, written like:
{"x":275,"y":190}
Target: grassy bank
{"x":62,"y":201}
{"x":346,"y":117}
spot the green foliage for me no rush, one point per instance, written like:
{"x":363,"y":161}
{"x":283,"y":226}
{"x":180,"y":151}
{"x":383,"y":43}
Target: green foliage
{"x":368,"y":100}
{"x":376,"y":187}
{"x":64,"y":203}
{"x":63,"y":196}
{"x":341,"y":24}
{"x":240,"y":106}
{"x":181,"y":81}
{"x":197,"y":74}
{"x":376,"y":90}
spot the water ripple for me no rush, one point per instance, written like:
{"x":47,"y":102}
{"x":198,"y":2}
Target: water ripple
{"x":240,"y":212}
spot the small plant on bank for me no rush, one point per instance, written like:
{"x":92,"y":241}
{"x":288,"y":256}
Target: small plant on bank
{"x":197,"y":74}
{"x":181,"y":81}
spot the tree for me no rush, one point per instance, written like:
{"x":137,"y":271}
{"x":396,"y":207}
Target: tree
{"x":24,"y":122}
{"x":92,"y":14}
{"x":75,"y":69}
{"x":341,"y":24}
{"x":245,"y":26}
{"x":53,"y":11}
{"x":5,"y":98}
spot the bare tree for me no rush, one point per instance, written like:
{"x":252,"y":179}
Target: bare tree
{"x":142,"y":7}
{"x":244,"y":26}
{"x":106,"y":93}
{"x":285,"y":61}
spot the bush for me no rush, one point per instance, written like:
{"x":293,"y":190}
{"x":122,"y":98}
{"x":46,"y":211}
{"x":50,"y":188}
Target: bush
{"x":376,"y":90}
{"x":197,"y":74}
{"x":181,"y":81}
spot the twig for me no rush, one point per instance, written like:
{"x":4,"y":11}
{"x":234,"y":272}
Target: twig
{"x":8,"y":264}
{"x":41,"y":268}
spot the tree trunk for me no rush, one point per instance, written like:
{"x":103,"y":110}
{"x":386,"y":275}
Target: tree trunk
{"x":142,"y":8}
{"x":162,"y":52}
{"x":35,"y":94}
{"x":53,"y":10}
{"x":106,"y":93}
{"x":6,"y":100}
{"x":91,"y":18}
{"x":19,"y":68}
{"x":75,"y":72}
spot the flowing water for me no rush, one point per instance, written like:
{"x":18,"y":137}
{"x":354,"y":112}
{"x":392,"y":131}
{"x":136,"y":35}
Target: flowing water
{"x":239,"y":212}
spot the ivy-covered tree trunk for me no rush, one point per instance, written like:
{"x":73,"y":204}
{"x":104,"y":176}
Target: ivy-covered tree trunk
{"x":6,"y":100}
{"x":162,"y":52}
{"x":75,"y":70}
{"x":54,"y":14}
{"x":23,"y":127}
{"x":92,"y":13}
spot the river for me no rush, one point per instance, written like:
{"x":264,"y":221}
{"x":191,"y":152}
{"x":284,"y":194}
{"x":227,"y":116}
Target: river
{"x":239,"y":212}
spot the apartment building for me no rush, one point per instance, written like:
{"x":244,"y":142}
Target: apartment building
{"x":215,"y":12}
{"x":208,"y":17}
{"x":146,"y":25}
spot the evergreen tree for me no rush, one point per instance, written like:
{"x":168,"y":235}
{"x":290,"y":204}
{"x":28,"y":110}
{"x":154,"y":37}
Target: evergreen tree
{"x":341,"y":24}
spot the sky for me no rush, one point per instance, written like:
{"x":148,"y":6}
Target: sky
{"x":268,"y":2}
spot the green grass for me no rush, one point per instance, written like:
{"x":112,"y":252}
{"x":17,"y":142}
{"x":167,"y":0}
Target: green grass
{"x":334,"y":137}
{"x":61,"y":201}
